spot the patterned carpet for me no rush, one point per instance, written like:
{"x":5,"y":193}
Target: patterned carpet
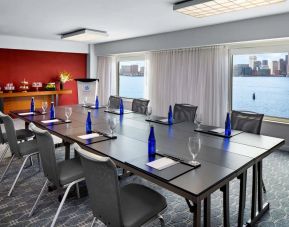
{"x":14,"y":210}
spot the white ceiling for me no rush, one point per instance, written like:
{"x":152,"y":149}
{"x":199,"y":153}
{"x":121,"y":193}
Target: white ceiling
{"x":120,"y":18}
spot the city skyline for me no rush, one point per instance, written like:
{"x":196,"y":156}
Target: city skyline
{"x":131,"y":68}
{"x":272,"y":64}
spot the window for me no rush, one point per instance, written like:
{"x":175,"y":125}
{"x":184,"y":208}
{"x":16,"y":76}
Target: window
{"x":261,"y":83}
{"x":131,"y":83}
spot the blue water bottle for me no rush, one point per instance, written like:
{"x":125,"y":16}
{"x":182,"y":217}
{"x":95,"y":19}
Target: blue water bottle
{"x":121,"y":107}
{"x":88,"y":123}
{"x":52,"y":111}
{"x":96,"y":102}
{"x":228,"y":125}
{"x":170,"y":116}
{"x":32,"y":105}
{"x":152,"y":143}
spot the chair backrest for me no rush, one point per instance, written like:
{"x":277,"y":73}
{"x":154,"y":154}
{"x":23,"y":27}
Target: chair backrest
{"x":11,"y":134}
{"x":47,"y":154}
{"x":114,"y":102}
{"x":103,"y":187}
{"x":185,"y":112}
{"x":140,"y":105}
{"x":246,"y":121}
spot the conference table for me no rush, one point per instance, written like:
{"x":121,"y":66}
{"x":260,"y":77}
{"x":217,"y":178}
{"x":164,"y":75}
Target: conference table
{"x":222,"y":159}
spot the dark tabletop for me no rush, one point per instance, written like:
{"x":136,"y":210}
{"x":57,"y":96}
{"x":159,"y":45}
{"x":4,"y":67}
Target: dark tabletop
{"x":221,"y":158}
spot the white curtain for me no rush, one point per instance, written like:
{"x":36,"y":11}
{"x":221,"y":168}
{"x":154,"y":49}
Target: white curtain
{"x":106,"y":73}
{"x":197,"y":76}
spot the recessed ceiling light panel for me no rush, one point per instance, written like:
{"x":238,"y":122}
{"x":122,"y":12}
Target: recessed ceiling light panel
{"x":205,"y":8}
{"x":85,"y":35}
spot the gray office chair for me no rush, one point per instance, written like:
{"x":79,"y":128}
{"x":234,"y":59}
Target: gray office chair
{"x":140,"y":105}
{"x":20,"y":150}
{"x":185,"y":112}
{"x":21,"y":134}
{"x":250,"y":122}
{"x":247,"y":121}
{"x":131,"y":205}
{"x":64,"y":174}
{"x":114,"y":102}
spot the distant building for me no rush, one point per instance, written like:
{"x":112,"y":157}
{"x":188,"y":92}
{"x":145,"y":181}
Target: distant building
{"x":287,"y":63}
{"x":141,"y":69}
{"x":242,"y":70}
{"x":252,"y":60}
{"x":257,"y":65}
{"x":282,"y":67}
{"x":265,"y":63}
{"x":275,"y":68}
{"x":125,"y":69}
{"x":134,"y":69}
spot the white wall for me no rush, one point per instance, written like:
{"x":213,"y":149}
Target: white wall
{"x":22,"y":43}
{"x":246,"y":30}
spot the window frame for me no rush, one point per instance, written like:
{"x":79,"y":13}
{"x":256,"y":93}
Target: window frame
{"x":255,"y":49}
{"x":130,"y":57}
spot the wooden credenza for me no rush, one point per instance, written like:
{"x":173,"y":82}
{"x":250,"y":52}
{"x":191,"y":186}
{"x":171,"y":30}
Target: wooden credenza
{"x":21,"y":100}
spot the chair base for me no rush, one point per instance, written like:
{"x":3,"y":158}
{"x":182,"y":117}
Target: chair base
{"x":20,"y":171}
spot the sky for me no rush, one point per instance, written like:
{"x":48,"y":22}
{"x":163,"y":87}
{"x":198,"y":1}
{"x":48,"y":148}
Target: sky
{"x":244,"y":59}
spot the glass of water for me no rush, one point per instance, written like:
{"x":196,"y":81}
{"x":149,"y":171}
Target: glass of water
{"x":112,"y":124}
{"x":198,"y":120}
{"x":108,"y":104}
{"x":149,"y":112}
{"x":68,"y":112}
{"x":194,"y":146}
{"x":44,"y":107}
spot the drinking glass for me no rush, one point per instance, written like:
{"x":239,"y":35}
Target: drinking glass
{"x":112,"y":124}
{"x":198,"y":120}
{"x":107,"y":106}
{"x":68,"y":112}
{"x":44,"y":107}
{"x":85,"y":101}
{"x":194,"y":145}
{"x":149,"y":112}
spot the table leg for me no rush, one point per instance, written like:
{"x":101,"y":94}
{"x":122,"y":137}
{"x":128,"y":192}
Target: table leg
{"x":67,"y":150}
{"x":207,"y":211}
{"x":257,"y":194}
{"x":197,"y":214}
{"x":242,"y":198}
{"x":254,"y":192}
{"x":260,"y":185}
{"x":226,"y":205}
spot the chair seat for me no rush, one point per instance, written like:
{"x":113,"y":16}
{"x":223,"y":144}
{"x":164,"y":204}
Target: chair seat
{"x":28,"y":147}
{"x":139,"y":204}
{"x":21,"y":134}
{"x":69,"y":171}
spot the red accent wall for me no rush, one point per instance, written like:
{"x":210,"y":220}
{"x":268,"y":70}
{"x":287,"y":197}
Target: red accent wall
{"x":41,"y":66}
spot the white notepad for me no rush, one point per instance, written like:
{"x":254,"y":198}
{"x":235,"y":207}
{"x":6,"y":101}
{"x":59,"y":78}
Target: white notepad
{"x":25,"y":114}
{"x":164,"y":120}
{"x":89,"y":136}
{"x":50,"y":121}
{"x":162,"y":163}
{"x":217,"y":130}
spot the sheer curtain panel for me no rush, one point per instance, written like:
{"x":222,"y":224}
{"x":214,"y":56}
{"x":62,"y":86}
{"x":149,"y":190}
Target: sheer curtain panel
{"x":198,"y":76}
{"x":106,"y":72}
